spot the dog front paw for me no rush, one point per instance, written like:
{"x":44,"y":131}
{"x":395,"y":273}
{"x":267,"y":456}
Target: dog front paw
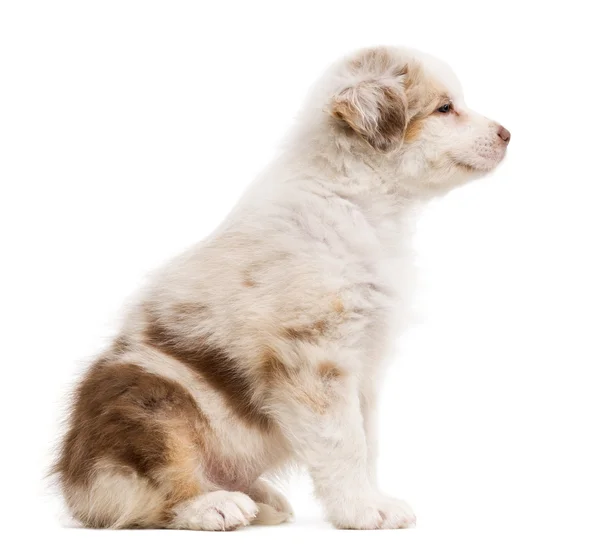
{"x":380,"y":513}
{"x":359,"y":516}
{"x":397,"y":514}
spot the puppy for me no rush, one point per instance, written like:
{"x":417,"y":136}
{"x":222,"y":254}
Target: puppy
{"x":262,"y":346}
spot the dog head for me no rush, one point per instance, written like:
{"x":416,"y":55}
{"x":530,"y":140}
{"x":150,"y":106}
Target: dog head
{"x":406,"y":110}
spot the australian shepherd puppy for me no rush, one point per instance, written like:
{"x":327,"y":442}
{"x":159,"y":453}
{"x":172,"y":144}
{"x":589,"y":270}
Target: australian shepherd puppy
{"x":262,"y":346}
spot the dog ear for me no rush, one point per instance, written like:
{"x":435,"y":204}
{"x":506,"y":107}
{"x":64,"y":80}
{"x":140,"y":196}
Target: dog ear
{"x":376,"y":109}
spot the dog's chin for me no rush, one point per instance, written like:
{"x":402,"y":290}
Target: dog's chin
{"x":478,"y":165}
{"x":469,"y":168}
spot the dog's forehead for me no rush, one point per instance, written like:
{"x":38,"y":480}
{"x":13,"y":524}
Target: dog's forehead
{"x":440,"y":71}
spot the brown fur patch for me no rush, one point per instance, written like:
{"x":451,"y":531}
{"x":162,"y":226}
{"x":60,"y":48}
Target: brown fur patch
{"x":310,"y":332}
{"x":329,"y":370}
{"x":338,"y":305}
{"x":385,"y":126}
{"x":183,"y":451}
{"x":413,"y":130}
{"x":137,"y":422}
{"x":189,"y":311}
{"x":248,"y":280}
{"x":392,"y":119}
{"x":215,"y":366}
{"x":121,"y":345}
{"x":273,"y":369}
{"x":308,"y":387}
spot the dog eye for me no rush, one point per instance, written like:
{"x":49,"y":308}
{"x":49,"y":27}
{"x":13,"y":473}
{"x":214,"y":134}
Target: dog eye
{"x":446,"y":108}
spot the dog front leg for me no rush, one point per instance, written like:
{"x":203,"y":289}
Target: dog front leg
{"x":319,"y":410}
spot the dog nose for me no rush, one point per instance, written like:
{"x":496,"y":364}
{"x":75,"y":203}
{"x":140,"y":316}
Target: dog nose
{"x":504,"y":134}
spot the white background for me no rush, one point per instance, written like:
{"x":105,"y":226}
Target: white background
{"x":129,"y":129}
